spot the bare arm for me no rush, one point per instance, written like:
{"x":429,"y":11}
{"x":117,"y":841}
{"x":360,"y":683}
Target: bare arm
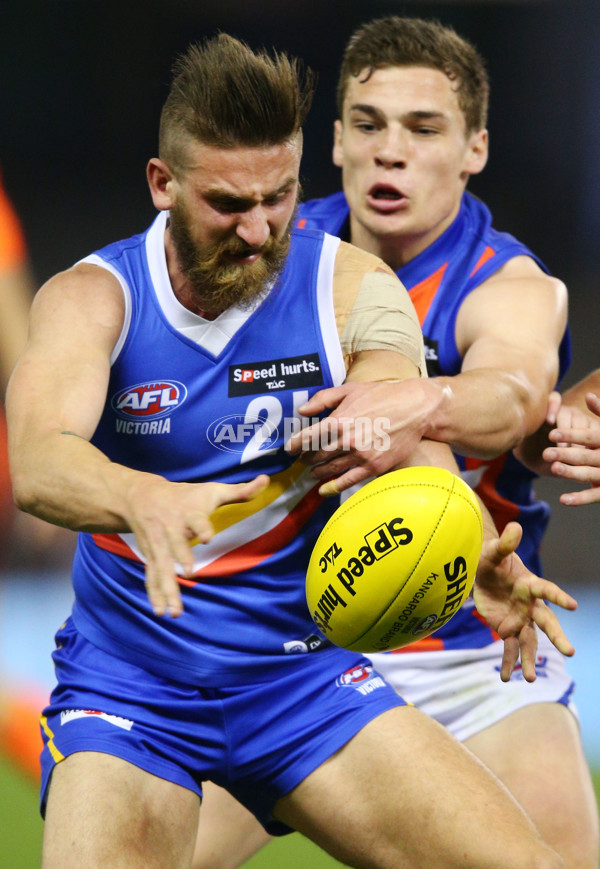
{"x":577,"y":395}
{"x":508,"y":332}
{"x":54,"y":401}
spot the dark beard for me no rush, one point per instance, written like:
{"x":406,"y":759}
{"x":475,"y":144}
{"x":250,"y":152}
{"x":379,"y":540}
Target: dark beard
{"x":216,"y":282}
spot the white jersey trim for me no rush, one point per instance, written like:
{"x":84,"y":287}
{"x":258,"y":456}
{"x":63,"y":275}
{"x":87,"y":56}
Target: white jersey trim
{"x":327,"y":321}
{"x":212,"y":335}
{"x":96,"y":260}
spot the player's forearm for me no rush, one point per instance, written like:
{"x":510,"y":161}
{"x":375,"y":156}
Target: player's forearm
{"x":64,"y":479}
{"x":485,"y":412}
{"x":576,"y":394}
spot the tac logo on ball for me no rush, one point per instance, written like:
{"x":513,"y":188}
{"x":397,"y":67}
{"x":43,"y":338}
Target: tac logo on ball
{"x":396,"y":560}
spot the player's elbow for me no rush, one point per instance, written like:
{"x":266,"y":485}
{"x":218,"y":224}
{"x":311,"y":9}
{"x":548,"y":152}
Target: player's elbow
{"x":24,"y":492}
{"x":522,"y":425}
{"x":26,"y":475}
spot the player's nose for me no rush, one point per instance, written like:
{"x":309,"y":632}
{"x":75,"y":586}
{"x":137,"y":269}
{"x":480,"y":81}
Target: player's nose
{"x":392,"y":150}
{"x":253,"y":228}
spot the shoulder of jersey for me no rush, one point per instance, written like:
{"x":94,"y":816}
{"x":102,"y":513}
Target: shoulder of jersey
{"x":326,"y":205}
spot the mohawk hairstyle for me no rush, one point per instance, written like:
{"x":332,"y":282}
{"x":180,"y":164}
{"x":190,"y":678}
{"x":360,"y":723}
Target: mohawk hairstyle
{"x":225,"y":94}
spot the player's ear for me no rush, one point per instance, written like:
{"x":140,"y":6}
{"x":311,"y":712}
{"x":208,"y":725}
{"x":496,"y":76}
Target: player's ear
{"x":338,"y":153}
{"x":477,"y":153}
{"x":160,"y":181}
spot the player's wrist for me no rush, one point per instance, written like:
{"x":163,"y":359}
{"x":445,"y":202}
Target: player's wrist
{"x":439,"y":400}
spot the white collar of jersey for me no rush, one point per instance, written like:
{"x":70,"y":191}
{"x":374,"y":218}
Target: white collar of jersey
{"x":211,"y":335}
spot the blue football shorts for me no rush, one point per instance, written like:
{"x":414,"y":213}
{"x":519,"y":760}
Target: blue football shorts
{"x":256,"y":740}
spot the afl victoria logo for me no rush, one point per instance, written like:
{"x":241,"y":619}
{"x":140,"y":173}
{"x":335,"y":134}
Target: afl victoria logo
{"x":149,"y":400}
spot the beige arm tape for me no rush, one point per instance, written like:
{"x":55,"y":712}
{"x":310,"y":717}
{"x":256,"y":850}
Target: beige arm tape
{"x":383,"y":318}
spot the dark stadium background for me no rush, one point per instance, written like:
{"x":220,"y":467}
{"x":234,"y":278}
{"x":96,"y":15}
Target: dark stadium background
{"x":81,"y":85}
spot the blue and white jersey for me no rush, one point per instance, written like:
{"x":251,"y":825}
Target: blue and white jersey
{"x":198,"y":401}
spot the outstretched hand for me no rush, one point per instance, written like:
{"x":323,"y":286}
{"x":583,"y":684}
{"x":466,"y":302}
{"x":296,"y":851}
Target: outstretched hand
{"x":373,"y":427}
{"x":512,"y":600}
{"x":576,"y":455}
{"x":167,"y":519}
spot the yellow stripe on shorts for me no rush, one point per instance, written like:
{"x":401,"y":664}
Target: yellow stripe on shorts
{"x":56,"y":755}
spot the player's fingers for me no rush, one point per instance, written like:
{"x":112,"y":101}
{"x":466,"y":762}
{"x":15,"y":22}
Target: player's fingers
{"x":161,"y":582}
{"x":545,"y":590}
{"x":334,"y":468}
{"x":153,"y":586}
{"x":220,"y":495}
{"x":497,"y":549}
{"x":554,"y":402}
{"x":165,"y":576}
{"x":154,"y":590}
{"x":235,"y":493}
{"x":317,"y":441}
{"x":180,"y":549}
{"x":547,"y":622}
{"x":528,"y":651}
{"x":510,"y":538}
{"x":580,"y":474}
{"x":162,"y":588}
{"x":584,"y":437}
{"x":325,"y":398}
{"x":578,"y":499}
{"x":340,"y":484}
{"x":174,"y":604}
{"x":512,"y":624}
{"x":510,"y":656}
{"x":201,"y":529}
{"x":593,"y":402}
{"x":328,"y":455}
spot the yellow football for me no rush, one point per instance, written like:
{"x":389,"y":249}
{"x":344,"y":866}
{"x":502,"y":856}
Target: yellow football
{"x":396,"y":560}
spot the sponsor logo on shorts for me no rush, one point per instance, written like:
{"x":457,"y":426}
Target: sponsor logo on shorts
{"x":72,"y":714}
{"x":294,"y":372}
{"x":310,"y":644}
{"x":362,"y":678}
{"x":541,"y":663}
{"x":142,"y":408}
